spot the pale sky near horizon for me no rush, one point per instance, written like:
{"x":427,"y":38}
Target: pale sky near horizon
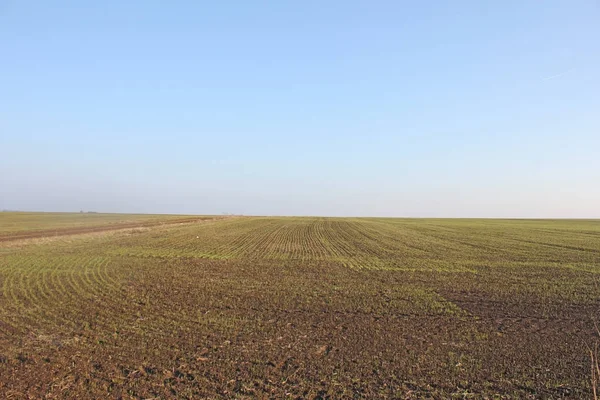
{"x":363,"y":108}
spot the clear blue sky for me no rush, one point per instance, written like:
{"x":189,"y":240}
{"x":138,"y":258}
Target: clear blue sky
{"x":382,"y":108}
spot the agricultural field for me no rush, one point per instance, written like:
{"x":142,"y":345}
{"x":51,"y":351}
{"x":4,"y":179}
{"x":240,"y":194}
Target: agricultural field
{"x":26,"y":225}
{"x":138,"y":307}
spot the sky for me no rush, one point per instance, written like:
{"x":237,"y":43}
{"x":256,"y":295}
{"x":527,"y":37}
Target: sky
{"x":342,"y":108}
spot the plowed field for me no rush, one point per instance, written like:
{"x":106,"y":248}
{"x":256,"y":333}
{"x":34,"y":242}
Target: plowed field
{"x":239,"y":307}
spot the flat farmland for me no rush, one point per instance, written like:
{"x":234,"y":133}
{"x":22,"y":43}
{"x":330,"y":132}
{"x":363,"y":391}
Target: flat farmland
{"x":139,"y":307}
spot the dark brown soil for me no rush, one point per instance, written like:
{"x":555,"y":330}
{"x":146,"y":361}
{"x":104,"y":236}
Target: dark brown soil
{"x":161,"y":326}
